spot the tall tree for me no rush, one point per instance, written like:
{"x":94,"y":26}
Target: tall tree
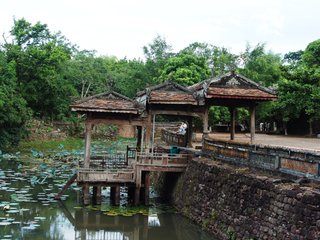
{"x":39,"y":56}
{"x":219,"y":60}
{"x":261,"y":66}
{"x":13,"y":110}
{"x":157,"y":53}
{"x":186,"y":69}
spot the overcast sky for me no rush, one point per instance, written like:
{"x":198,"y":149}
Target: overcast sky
{"x":122,"y":27}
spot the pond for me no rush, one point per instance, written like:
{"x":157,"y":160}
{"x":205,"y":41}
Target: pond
{"x":28,"y":210}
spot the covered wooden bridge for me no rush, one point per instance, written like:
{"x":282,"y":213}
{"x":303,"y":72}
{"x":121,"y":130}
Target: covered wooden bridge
{"x":132,"y":168}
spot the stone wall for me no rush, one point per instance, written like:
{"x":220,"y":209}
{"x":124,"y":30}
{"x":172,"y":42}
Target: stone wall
{"x":295,"y":162}
{"x":234,"y":203}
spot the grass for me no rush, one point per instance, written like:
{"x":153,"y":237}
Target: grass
{"x":44,"y":146}
{"x":68,"y":144}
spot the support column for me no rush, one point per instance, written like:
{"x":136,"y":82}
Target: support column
{"x":137,"y":186}
{"x":131,"y":195}
{"x":137,"y":195}
{"x":85,"y":194}
{"x":252,"y":123}
{"x":189,"y":131}
{"x":232,"y":122}
{"x":139,"y":136}
{"x":148,"y":133}
{"x":87,"y":145}
{"x":205,"y":122}
{"x":115,"y":195}
{"x":96,"y":195}
{"x":153,"y":131}
{"x":146,"y":188}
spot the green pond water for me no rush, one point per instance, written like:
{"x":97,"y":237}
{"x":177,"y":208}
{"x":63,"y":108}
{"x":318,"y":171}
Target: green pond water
{"x":29,"y":182}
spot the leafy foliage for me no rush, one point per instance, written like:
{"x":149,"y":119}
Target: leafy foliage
{"x":186,"y":69}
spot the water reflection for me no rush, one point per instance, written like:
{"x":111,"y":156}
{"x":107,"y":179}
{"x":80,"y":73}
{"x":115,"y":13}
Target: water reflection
{"x":169,"y":226}
{"x":34,"y":214}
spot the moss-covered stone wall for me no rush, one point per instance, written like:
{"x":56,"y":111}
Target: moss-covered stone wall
{"x":234,"y":203}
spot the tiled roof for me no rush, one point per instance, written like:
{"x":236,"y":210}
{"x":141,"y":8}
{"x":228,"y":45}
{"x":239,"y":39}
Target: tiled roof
{"x":239,"y":93}
{"x":106,"y":102}
{"x":168,"y":97}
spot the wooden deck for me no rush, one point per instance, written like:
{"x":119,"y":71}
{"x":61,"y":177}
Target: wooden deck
{"x":118,"y":168}
{"x":131,"y":169}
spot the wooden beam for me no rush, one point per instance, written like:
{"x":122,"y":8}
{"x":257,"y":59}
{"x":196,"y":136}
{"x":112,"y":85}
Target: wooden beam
{"x":176,"y":113}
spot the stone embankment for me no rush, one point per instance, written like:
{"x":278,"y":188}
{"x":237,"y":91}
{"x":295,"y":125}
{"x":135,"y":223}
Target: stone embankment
{"x":235,"y":203}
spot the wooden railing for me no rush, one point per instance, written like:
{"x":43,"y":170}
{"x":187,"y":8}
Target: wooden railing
{"x":162,"y":159}
{"x":173,"y":138}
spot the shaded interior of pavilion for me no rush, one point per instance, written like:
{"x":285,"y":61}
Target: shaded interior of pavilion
{"x":171,"y":99}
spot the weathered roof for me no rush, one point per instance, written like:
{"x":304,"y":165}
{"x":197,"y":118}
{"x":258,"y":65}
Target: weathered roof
{"x":233,"y":86}
{"x":168,"y":93}
{"x":111,"y":102}
{"x":237,"y":93}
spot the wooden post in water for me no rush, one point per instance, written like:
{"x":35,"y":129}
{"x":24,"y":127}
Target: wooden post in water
{"x":96,"y":195}
{"x":85,"y":194}
{"x":131,"y":194}
{"x":115,"y":195}
{"x":137,"y":195}
{"x":146,"y":188}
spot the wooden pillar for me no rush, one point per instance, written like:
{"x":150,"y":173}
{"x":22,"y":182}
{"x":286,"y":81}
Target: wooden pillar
{"x":137,"y":186}
{"x":87,"y":145}
{"x":146,"y":188}
{"x":137,"y":195}
{"x":139,"y":137}
{"x":131,"y":195}
{"x":205,"y":121}
{"x":96,"y":195}
{"x":115,"y":195}
{"x":85,"y":194}
{"x":148,"y":133}
{"x":232,"y":122}
{"x":252,"y":123}
{"x":189,"y":131}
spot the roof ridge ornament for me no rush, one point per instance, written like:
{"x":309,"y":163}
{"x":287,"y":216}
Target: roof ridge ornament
{"x":233,"y":82}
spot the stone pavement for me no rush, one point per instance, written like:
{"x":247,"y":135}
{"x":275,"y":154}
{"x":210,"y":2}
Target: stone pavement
{"x":294,"y":142}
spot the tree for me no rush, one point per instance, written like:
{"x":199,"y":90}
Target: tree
{"x":87,"y":73}
{"x":185,"y":69}
{"x":261,"y":66}
{"x":157,"y":53}
{"x":13,"y":110}
{"x":219,"y":60}
{"x":39,"y":57}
